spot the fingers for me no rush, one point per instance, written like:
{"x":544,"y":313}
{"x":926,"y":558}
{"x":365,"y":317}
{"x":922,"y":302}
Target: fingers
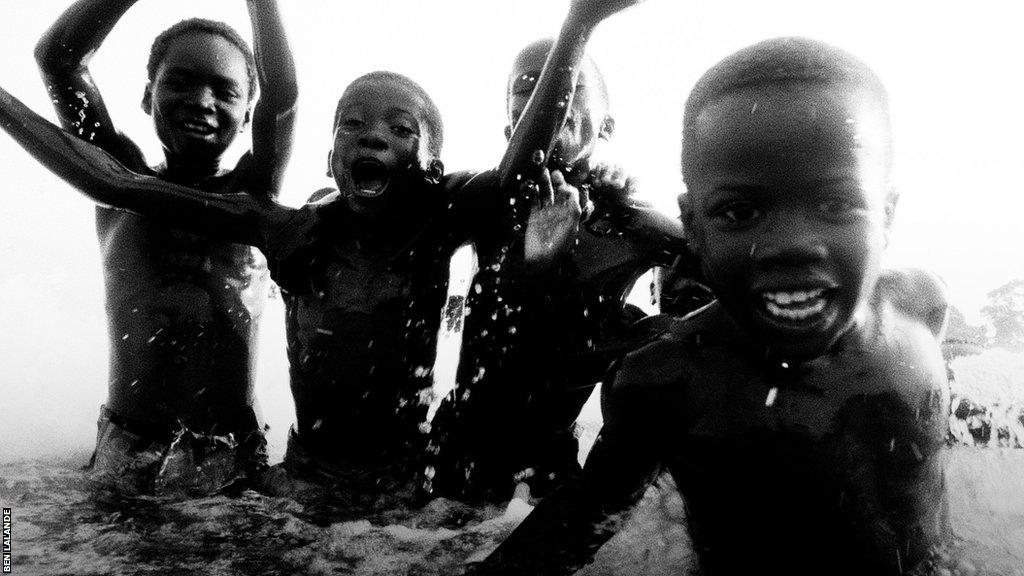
{"x":565,"y":193}
{"x":610,"y":178}
{"x":546,"y":196}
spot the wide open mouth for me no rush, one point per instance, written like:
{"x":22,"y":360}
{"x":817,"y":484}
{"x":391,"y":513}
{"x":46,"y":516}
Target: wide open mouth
{"x":370,"y":177}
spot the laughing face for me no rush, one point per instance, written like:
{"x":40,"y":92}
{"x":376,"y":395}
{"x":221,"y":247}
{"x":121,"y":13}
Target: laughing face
{"x":789,"y":210}
{"x":379,"y":136}
{"x":587,"y":121}
{"x":199,"y":97}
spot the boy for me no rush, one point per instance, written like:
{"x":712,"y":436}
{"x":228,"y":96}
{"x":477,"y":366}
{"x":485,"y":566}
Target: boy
{"x":536,"y":344}
{"x":801,"y":413}
{"x":182,"y":310}
{"x":361,"y":268}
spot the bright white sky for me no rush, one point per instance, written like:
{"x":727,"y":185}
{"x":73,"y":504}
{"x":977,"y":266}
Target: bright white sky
{"x":952,"y":69}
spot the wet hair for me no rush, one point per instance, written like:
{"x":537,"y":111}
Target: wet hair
{"x":783,"y":61}
{"x":431,"y":115}
{"x":162,"y":44}
{"x":546,"y":44}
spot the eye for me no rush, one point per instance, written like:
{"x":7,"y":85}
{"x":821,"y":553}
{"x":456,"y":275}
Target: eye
{"x":839,"y":207}
{"x":737,"y":214}
{"x":351,"y":123}
{"x":175,"y":83}
{"x":228,"y":94}
{"x":402,"y":130}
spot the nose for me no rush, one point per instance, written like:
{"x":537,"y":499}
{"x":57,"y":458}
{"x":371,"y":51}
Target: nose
{"x":203,"y":97}
{"x":373,"y":138}
{"x":788,"y":242}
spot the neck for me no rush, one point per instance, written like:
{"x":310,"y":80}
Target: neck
{"x":189,"y":170}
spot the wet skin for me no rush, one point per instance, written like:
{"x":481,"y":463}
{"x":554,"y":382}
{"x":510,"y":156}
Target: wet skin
{"x":789,"y":201}
{"x":570,"y":321}
{"x":379,"y":134}
{"x":804,"y":435}
{"x":182,"y":309}
{"x":355,"y":337}
{"x":199,"y":99}
{"x":312,"y":248}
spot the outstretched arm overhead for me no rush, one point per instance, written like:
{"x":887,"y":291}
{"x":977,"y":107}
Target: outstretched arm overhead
{"x":535,"y":133}
{"x":63,"y":55}
{"x":274,"y":117}
{"x":99,"y":175}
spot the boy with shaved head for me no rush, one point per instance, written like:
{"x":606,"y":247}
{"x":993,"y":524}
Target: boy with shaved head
{"x":182,"y":310}
{"x":537,"y":343}
{"x":802,"y":413}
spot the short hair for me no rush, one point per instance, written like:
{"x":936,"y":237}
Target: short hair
{"x":783,"y":61}
{"x":546,"y":44}
{"x":162,"y":44}
{"x":431,"y":114}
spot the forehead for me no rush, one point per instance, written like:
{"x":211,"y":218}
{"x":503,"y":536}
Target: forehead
{"x":381,"y":95}
{"x":207,"y":53}
{"x":786,"y":133}
{"x":528,"y":65}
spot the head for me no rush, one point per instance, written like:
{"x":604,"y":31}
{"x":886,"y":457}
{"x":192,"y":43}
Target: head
{"x":386,"y":130}
{"x":202,"y":82}
{"x":588,"y":120}
{"x":786,"y":157}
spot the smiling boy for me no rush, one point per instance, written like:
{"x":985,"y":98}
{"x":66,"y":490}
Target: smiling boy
{"x":182,"y":310}
{"x":802,"y":413}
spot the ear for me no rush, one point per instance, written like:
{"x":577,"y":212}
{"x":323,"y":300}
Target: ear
{"x":147,"y":99}
{"x":607,"y":128}
{"x":434,"y":171}
{"x":330,"y":163}
{"x":247,"y":120}
{"x":508,"y":132}
{"x":686,"y":215}
{"x":891,"y":199}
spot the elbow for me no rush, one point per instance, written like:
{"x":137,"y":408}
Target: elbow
{"x":53,"y":57}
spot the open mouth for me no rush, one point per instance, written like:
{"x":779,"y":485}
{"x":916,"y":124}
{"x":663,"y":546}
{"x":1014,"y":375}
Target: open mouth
{"x":197,"y":129}
{"x":801,"y":307}
{"x":371,"y":177}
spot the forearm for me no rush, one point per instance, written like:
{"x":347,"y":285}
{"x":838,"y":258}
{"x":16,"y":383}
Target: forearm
{"x":76,"y":35}
{"x":568,"y":527}
{"x":545,"y":113}
{"x":275,"y":66}
{"x":559,"y":537}
{"x":274,"y":117}
{"x":236,"y":217}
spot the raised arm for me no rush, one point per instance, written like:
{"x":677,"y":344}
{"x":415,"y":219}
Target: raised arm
{"x":98,"y":175}
{"x":545,"y":113}
{"x":63,"y":55}
{"x":274,"y":117}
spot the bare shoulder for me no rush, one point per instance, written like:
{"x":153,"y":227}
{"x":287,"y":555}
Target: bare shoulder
{"x":916,"y":294}
{"x":323,"y":195}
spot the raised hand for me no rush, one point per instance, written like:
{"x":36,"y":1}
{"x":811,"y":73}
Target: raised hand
{"x":554,"y":220}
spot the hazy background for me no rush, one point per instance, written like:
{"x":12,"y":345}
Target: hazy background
{"x":953,"y":72}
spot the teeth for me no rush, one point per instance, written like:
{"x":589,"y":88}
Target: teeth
{"x":198,"y":127}
{"x":795,"y":313}
{"x":798,"y":296}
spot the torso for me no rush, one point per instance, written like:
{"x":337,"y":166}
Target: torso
{"x":839,"y":474}
{"x":362,"y":322}
{"x":183,"y":313}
